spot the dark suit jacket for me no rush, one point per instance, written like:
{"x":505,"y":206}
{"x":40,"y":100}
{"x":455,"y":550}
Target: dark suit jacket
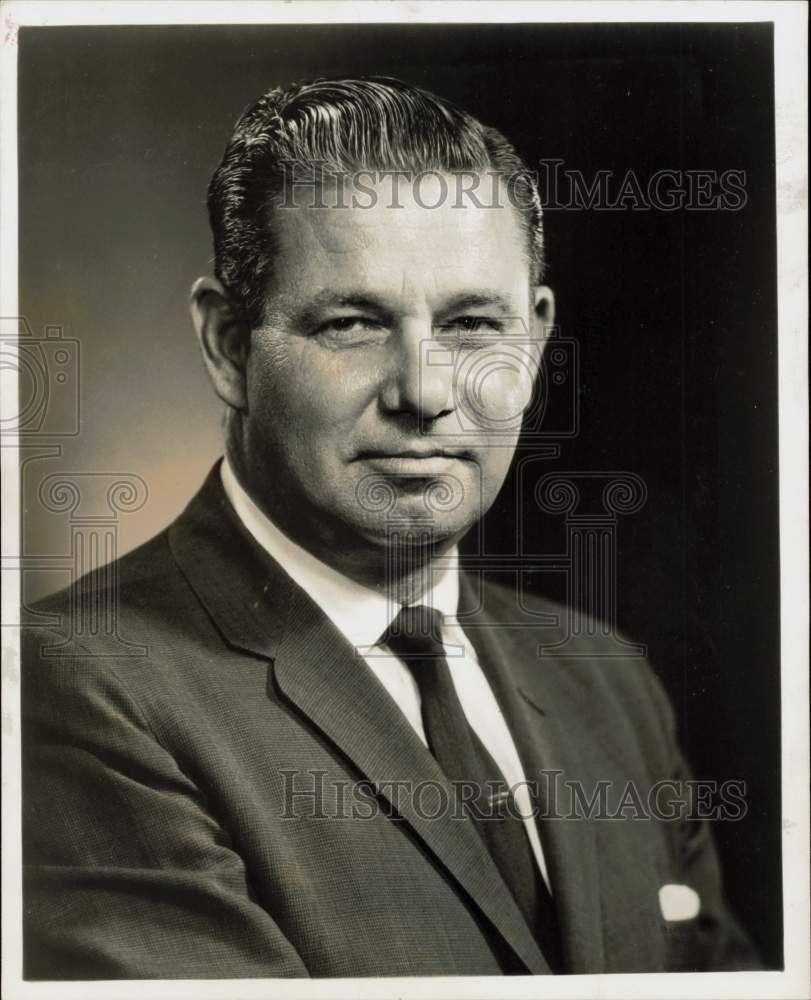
{"x":162,"y":838}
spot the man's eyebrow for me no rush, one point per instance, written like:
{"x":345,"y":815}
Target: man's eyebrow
{"x":481,"y":300}
{"x":326,"y":299}
{"x":356,"y":299}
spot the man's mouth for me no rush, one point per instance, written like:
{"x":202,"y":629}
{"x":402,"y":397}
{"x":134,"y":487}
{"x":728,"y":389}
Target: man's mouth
{"x":419,"y":453}
{"x":415,"y":461}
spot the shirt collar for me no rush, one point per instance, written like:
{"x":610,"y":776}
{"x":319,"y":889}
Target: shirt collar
{"x":360,"y":614}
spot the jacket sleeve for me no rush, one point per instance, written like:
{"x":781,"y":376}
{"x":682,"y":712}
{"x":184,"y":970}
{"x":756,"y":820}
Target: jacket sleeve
{"x":127,"y":874}
{"x":714,"y":940}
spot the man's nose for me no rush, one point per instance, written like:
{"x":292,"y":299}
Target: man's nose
{"x":420,"y":380}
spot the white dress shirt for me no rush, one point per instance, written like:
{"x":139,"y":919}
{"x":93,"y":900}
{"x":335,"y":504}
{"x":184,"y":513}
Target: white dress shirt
{"x":363,"y":615}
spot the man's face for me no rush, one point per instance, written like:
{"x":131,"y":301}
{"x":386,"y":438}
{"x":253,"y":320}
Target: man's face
{"x":387,"y":385}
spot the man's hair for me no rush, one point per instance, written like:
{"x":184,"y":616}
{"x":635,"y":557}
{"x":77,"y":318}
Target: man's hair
{"x":369,"y":123}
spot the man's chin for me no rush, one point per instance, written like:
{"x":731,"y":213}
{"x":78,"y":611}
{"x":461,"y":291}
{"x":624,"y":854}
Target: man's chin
{"x":444,"y":505}
{"x":405,"y":529}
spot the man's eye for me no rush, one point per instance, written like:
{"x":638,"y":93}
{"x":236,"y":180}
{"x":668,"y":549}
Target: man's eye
{"x":470,"y":328}
{"x":350,"y":329}
{"x":343,"y":323}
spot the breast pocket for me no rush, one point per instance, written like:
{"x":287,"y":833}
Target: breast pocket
{"x":680,"y":909}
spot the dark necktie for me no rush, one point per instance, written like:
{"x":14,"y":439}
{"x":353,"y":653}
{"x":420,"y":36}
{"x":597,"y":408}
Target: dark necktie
{"x":415,"y":636}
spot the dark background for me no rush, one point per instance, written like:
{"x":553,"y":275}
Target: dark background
{"x":675,"y":314}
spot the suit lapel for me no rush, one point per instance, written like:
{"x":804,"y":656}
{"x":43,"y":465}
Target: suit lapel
{"x":544,"y":729}
{"x":244,"y":592}
{"x":258,"y":608}
{"x":318,"y":671}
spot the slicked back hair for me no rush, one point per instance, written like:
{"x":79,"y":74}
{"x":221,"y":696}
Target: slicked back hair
{"x":369,"y":123}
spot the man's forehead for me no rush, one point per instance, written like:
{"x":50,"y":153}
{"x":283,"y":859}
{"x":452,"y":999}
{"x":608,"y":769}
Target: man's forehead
{"x":398,"y":281}
{"x":422,"y":199}
{"x":409,"y":237}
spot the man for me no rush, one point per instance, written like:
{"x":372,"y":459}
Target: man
{"x":333,"y":758}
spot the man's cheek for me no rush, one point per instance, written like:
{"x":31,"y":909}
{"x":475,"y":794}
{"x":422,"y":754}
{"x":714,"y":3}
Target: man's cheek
{"x":495,"y":389}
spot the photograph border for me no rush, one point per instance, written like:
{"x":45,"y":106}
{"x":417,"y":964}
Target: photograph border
{"x":790,"y":33}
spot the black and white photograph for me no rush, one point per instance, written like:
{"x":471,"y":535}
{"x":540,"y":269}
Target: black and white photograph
{"x":405,"y":554}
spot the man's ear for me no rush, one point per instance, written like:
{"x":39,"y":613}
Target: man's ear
{"x":544,"y":310}
{"x":224,"y":339}
{"x":543,"y":318}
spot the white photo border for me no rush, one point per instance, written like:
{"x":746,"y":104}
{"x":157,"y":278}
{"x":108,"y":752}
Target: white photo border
{"x":791,"y":78}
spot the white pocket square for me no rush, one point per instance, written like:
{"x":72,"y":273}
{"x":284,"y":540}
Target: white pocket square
{"x":679,"y":902}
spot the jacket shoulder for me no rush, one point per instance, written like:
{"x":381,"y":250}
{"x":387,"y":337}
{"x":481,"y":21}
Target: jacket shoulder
{"x":141,"y":571}
{"x":116,"y":609}
{"x":601,"y":671}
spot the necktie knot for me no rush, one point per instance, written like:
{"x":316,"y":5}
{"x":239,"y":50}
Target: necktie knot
{"x":416,"y":633}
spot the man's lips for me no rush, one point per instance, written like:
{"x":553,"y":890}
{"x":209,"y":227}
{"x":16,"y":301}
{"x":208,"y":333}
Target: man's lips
{"x":415,"y":461}
{"x":416,"y":453}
